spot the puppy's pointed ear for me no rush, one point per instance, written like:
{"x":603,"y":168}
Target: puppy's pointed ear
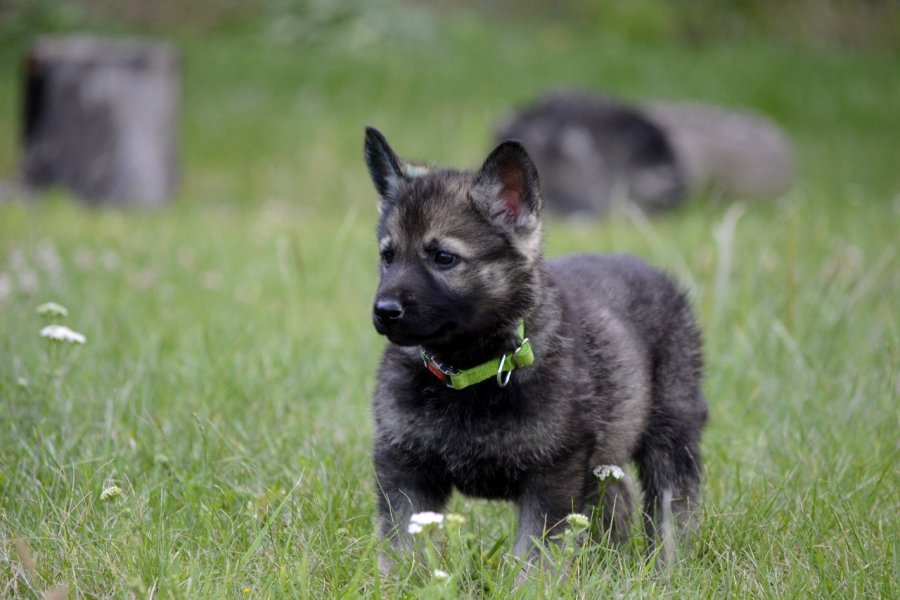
{"x":385,"y":167}
{"x":507,"y":189}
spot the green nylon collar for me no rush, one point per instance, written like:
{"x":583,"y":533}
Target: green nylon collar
{"x":505,"y":364}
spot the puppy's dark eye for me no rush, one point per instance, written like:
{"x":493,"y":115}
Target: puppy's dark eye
{"x":387,"y":256}
{"x":445,"y":260}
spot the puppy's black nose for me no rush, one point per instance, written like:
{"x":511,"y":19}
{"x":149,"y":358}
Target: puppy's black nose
{"x":388,"y":309}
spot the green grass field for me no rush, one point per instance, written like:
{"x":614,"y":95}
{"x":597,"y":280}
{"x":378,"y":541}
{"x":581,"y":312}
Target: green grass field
{"x":224,"y":384}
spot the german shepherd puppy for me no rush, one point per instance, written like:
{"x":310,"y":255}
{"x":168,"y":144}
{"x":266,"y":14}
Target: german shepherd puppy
{"x":610,"y":371}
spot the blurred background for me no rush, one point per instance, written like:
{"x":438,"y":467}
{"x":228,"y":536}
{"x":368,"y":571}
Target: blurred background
{"x":230,"y":357}
{"x":275,"y":92}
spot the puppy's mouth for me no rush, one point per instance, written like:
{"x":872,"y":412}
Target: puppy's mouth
{"x":410,"y":338}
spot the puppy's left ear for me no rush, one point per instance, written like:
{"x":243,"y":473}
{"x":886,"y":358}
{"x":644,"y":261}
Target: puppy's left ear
{"x":507,"y":189}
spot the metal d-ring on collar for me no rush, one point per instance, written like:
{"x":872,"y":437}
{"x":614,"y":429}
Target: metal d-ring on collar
{"x":504,"y":381}
{"x":501,"y":380}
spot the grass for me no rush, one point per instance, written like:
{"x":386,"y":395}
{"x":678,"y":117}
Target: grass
{"x":225,"y":380}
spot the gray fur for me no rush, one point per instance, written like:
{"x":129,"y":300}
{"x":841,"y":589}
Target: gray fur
{"x":616,"y":376}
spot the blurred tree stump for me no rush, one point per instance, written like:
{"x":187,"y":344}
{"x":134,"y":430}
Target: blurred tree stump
{"x":100,"y":119}
{"x":730,"y":152}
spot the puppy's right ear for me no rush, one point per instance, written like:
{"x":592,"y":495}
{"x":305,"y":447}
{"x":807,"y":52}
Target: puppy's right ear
{"x":385,"y":167}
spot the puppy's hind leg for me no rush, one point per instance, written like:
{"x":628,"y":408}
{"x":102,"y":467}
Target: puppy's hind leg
{"x":668,"y":454}
{"x":670,"y":470}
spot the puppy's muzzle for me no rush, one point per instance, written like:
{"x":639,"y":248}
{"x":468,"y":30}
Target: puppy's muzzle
{"x":388,"y":311}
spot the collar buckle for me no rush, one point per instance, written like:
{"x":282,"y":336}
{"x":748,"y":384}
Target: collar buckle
{"x":438,"y":369}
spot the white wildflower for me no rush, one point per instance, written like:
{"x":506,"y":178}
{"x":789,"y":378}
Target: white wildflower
{"x":63,"y":334}
{"x":111,"y":493}
{"x":454,"y":519}
{"x":578,"y":522}
{"x":604,"y":472}
{"x":420,"y":521}
{"x":52,"y":309}
{"x":441,"y":575}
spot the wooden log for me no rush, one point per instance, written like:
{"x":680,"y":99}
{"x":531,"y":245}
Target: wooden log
{"x":730,"y":152}
{"x":100,"y":119}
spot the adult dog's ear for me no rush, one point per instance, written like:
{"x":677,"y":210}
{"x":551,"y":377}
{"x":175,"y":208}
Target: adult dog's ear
{"x":386,"y":168}
{"x":507,"y":189}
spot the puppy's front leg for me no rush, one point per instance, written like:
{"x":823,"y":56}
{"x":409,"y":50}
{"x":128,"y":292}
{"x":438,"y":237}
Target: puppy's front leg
{"x":404,"y":488}
{"x":543,"y":506}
